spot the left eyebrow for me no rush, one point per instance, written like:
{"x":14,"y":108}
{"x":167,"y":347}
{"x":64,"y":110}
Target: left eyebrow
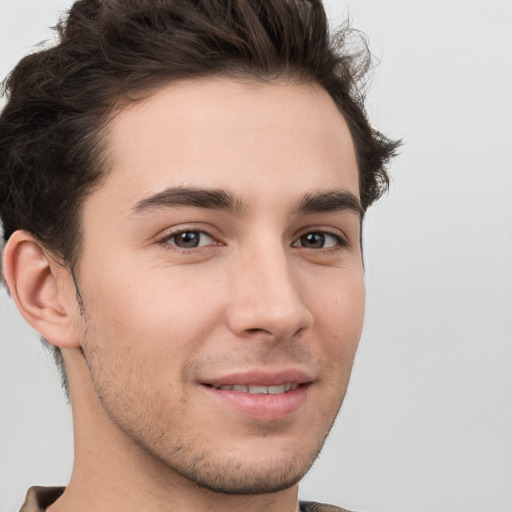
{"x":328,"y":201}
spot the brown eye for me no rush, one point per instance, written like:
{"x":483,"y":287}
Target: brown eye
{"x":317,"y":240}
{"x":190,"y":239}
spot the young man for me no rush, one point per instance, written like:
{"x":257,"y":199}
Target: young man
{"x":182,"y":186}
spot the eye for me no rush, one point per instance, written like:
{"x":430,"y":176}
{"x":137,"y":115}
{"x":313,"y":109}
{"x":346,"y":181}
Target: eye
{"x":318,"y":240}
{"x":190,"y":239}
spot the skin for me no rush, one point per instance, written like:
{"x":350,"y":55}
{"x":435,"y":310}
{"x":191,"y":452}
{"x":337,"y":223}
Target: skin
{"x":270,"y":289}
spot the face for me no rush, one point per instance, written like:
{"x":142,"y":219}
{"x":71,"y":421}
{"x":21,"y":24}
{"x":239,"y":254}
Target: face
{"x":222,"y":279}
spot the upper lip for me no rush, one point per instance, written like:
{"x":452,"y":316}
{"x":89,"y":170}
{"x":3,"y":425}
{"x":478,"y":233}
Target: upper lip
{"x":260,"y":377}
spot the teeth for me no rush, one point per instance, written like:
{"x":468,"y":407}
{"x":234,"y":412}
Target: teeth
{"x":275,"y":390}
{"x":260,"y":390}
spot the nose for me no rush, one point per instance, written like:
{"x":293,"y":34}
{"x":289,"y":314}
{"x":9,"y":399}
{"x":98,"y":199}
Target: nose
{"x":267,"y":297}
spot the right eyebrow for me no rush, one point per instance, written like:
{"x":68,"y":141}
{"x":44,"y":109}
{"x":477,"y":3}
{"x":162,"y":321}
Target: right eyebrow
{"x":212,"y":199}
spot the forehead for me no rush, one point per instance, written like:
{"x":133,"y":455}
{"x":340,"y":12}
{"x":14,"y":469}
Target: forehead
{"x":248,"y":137}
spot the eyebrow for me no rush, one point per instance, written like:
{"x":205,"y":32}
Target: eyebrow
{"x":218,"y":199}
{"x":211,"y":199}
{"x":329,"y":201}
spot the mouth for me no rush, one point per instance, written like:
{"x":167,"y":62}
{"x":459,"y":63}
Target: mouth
{"x":259,"y":394}
{"x":255,"y":389}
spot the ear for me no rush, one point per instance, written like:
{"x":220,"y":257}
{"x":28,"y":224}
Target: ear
{"x":42,"y":290}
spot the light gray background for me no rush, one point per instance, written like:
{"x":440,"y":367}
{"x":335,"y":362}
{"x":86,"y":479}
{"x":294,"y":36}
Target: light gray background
{"x":427,"y":422}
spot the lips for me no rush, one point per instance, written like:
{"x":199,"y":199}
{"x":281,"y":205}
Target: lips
{"x":260,"y":379}
{"x":254,"y":389}
{"x":261,"y":394}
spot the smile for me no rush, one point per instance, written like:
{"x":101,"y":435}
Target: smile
{"x":259,"y":390}
{"x":263,"y":400}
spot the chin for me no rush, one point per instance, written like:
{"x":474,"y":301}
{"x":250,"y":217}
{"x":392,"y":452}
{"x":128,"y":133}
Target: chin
{"x":268,"y":467}
{"x":238,"y":478}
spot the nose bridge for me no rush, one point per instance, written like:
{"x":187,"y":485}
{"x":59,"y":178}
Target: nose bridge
{"x":267,"y":295}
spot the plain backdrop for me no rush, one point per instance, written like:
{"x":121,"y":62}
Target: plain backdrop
{"x":427,"y":422}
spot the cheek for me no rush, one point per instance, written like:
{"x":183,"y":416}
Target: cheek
{"x":159,"y":310}
{"x":339,"y":314}
{"x":164,"y":313}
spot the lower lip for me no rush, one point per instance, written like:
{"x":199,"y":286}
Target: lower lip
{"x":264,"y":407}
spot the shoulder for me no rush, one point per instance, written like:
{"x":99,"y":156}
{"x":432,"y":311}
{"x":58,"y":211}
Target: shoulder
{"x":310,"y":506}
{"x":39,"y":498}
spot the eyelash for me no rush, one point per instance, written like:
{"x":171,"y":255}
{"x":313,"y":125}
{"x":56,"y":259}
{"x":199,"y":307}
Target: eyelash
{"x":340,"y":241}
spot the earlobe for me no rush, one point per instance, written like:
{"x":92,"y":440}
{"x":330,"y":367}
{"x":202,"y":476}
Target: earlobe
{"x":37,"y":285}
